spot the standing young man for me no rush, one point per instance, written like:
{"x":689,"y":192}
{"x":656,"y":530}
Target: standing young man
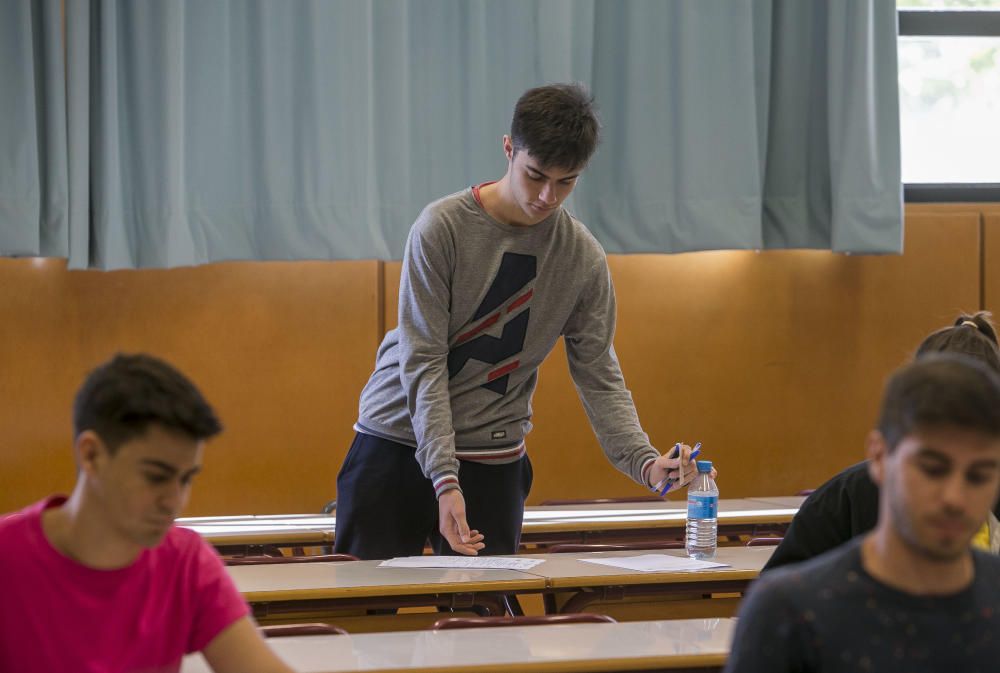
{"x":492,"y":277}
{"x":102,"y":580}
{"x":912,"y":595}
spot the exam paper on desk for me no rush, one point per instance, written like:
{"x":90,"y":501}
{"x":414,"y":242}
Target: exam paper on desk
{"x":461,"y":562}
{"x":654,"y":563}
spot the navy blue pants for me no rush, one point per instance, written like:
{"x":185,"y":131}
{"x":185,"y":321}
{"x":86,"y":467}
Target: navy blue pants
{"x":386,"y":506}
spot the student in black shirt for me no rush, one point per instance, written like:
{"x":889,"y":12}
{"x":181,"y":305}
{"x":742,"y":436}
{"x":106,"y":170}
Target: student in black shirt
{"x":847,"y":504}
{"x":912,"y":595}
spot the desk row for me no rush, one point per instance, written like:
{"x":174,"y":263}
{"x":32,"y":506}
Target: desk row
{"x":686,"y":645}
{"x":567,"y":582}
{"x":543,"y":526}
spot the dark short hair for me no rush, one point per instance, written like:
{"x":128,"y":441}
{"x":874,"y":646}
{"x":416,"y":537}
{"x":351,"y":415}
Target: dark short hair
{"x":557,"y":125}
{"x":972,"y":335}
{"x":940,"y":390}
{"x":121,"y":398}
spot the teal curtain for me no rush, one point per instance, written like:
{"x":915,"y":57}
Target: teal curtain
{"x":190,"y":132}
{"x":34,"y":182}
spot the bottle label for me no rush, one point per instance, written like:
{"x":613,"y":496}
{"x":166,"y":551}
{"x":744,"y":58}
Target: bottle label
{"x":703,"y":506}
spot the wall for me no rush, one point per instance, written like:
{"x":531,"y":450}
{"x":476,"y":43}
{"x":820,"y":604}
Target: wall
{"x":991,"y":260}
{"x":280,"y":349}
{"x":774,"y":360}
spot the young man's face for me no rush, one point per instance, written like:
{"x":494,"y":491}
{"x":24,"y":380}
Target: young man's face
{"x":939,"y":485}
{"x":538,"y":190}
{"x":144,"y":485}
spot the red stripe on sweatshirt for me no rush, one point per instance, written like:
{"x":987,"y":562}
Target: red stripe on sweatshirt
{"x":520,"y":300}
{"x":506,"y":369}
{"x":483,"y":325}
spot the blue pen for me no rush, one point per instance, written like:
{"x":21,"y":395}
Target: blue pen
{"x":665,"y":482}
{"x":676,"y":453}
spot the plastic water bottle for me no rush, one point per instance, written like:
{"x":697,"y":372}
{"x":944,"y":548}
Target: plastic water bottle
{"x":703,"y":512}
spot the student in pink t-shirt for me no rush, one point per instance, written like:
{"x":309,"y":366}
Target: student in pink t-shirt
{"x":102,"y":582}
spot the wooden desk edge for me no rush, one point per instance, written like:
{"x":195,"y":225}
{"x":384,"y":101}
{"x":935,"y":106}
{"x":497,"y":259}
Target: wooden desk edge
{"x":634,"y":579}
{"x":654,"y":663}
{"x":288,"y":539}
{"x":535,"y":583}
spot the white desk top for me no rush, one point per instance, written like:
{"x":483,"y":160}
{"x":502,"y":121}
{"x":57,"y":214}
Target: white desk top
{"x":782,"y":500}
{"x":359,"y":579}
{"x":279,"y":529}
{"x":543,"y":648}
{"x":259,"y":520}
{"x":644,"y":515}
{"x":567,"y":570}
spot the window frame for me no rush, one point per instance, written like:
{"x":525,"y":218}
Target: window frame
{"x":949,"y":23}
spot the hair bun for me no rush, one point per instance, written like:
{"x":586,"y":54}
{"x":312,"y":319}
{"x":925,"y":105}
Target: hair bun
{"x":980,"y":320}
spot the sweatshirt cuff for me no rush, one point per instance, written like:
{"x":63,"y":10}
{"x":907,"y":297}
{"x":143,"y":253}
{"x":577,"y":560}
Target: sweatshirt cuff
{"x":645,"y":472}
{"x":445,"y":481}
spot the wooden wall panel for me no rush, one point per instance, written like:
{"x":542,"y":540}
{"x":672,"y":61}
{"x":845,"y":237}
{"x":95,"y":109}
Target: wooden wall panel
{"x":775,"y":361}
{"x":280,"y":349}
{"x":392,"y":271}
{"x":991,"y":261}
{"x":39,"y":370}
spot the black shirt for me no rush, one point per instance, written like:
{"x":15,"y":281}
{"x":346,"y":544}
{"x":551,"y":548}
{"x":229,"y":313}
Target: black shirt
{"x":829,"y":615}
{"x":840,"y":509}
{"x":844,"y":507}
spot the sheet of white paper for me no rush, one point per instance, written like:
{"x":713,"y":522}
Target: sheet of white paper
{"x":654,"y":563}
{"x":461,"y":562}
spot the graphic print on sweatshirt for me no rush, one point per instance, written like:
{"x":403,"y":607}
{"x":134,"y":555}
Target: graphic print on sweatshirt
{"x":506,"y":295}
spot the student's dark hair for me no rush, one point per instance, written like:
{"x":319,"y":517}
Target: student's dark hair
{"x":557,"y":124}
{"x":121,"y":398}
{"x":941,"y":390}
{"x":972,"y":335}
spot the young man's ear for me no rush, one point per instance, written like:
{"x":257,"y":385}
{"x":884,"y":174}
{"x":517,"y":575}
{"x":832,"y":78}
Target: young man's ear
{"x":88,"y":449}
{"x":878,"y":451}
{"x":508,"y":147}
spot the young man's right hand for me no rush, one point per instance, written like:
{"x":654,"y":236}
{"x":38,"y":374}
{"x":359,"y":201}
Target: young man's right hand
{"x":453,"y":526}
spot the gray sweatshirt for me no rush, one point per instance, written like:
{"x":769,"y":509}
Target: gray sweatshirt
{"x":481,"y":304}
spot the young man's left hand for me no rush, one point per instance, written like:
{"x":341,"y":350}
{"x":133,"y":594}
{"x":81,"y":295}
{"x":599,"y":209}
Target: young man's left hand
{"x":681,"y":469}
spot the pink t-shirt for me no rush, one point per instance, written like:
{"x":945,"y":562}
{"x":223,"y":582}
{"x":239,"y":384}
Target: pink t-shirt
{"x":57,"y":615}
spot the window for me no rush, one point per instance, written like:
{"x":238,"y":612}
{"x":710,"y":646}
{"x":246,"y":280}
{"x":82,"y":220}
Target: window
{"x":949,"y":98}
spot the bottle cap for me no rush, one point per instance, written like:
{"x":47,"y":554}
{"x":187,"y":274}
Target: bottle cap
{"x":704,"y":465}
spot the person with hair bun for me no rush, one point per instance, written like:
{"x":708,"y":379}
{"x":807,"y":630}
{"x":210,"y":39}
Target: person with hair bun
{"x":973,"y":335}
{"x":913,"y":594}
{"x":847,"y":505}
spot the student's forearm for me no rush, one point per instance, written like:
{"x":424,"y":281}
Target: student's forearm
{"x":239,"y":648}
